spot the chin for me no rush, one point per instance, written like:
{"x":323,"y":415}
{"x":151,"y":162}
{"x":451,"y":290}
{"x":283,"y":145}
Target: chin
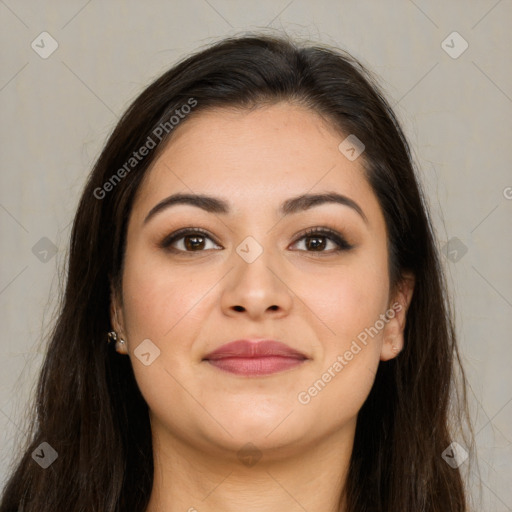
{"x":267,"y":433}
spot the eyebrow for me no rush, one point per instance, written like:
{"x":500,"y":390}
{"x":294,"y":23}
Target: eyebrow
{"x":290,"y":206}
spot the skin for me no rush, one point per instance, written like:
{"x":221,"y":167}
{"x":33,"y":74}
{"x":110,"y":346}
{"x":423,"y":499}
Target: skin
{"x":191,"y":302}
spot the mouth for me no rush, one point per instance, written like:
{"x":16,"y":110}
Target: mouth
{"x":245,"y":357}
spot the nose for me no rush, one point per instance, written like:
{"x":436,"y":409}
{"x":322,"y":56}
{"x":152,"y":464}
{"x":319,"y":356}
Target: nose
{"x":256,"y":289}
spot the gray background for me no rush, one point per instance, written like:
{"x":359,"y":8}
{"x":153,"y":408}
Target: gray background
{"x":57,"y":112}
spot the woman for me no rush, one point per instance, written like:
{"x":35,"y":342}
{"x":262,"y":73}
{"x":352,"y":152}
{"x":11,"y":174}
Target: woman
{"x":255,"y":316}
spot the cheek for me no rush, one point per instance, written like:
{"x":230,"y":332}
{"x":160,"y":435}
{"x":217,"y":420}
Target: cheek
{"x":351,"y":351}
{"x":358,"y":295}
{"x":164,"y":305}
{"x":159,"y":300}
{"x":350,"y":299}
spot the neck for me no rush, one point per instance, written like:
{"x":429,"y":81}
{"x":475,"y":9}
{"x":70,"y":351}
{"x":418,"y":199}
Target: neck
{"x":307,"y":477}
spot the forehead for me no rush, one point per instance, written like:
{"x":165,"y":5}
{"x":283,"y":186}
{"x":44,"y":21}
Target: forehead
{"x":254,"y":157}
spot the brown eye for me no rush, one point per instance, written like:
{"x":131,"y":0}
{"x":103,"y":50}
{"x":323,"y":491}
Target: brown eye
{"x":194,"y":242}
{"x":317,"y":239}
{"x":188,"y":240}
{"x":316,"y":242}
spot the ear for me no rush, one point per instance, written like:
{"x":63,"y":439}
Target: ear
{"x":117,"y":319}
{"x":393,"y":335}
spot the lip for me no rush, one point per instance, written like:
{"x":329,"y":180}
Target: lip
{"x":246,"y":357}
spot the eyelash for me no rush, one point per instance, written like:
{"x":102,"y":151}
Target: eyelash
{"x":318,"y":232}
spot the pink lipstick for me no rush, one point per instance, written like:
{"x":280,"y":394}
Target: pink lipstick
{"x":253,"y":358}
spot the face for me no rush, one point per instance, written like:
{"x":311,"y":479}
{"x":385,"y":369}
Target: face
{"x":257,"y":263}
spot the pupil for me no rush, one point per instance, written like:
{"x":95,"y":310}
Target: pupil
{"x":316,"y":245}
{"x":194,"y":242}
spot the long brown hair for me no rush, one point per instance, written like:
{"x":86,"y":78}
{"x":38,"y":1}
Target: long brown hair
{"x":103,"y":439}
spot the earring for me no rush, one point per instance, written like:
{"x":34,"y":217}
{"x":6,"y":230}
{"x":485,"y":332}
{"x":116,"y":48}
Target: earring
{"x":112,"y":336}
{"x":394,"y":349}
{"x":120,"y":343}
